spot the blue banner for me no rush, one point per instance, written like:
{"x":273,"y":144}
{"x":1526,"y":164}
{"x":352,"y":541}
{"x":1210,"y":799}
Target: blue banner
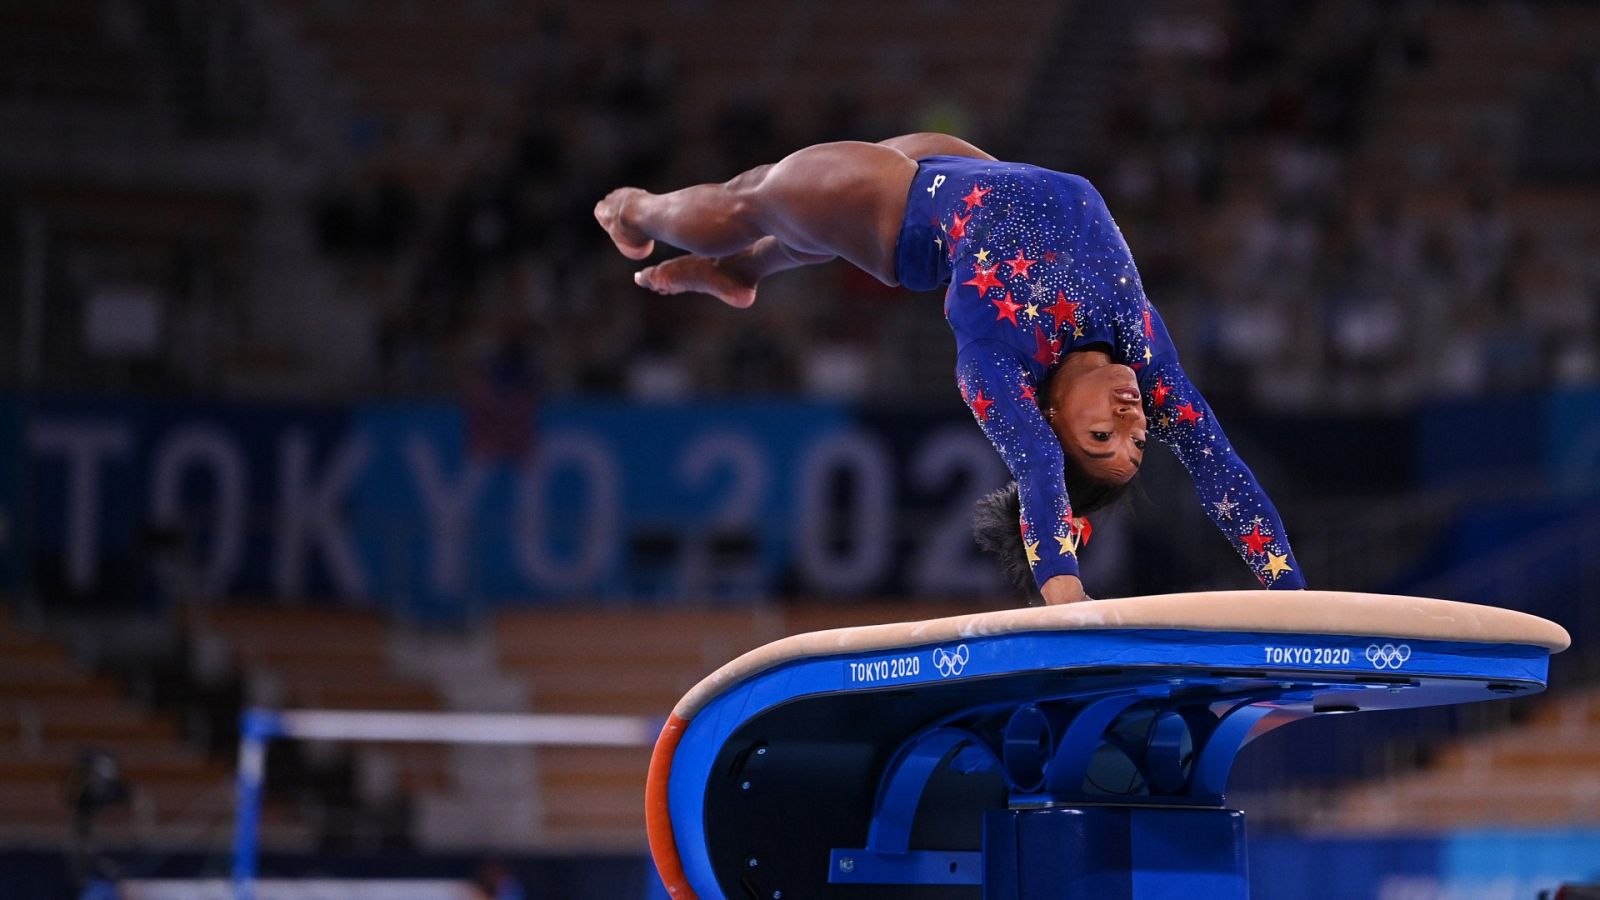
{"x":1553,"y":435}
{"x":129,"y":501}
{"x":1487,"y":864}
{"x":1360,"y":868}
{"x":1572,"y":438}
{"x":613,"y":500}
{"x":731,"y":500}
{"x":126,"y":501}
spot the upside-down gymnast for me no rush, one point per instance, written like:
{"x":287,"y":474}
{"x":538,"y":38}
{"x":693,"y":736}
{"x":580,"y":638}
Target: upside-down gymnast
{"x":1056,"y":343}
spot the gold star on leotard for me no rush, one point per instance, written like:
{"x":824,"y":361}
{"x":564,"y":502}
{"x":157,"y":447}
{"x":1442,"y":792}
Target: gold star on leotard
{"x":1277,"y":564}
{"x":1033,"y":553}
{"x":1033,"y":310}
{"x":983,"y":255}
{"x":1147,"y":355}
{"x":1067,"y":549}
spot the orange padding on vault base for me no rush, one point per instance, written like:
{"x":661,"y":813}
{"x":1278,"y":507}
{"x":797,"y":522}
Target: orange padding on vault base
{"x":658,"y":818}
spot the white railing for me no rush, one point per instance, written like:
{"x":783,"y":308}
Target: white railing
{"x":258,"y":728}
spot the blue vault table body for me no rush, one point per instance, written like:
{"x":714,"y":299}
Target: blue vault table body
{"x":1038,"y":754}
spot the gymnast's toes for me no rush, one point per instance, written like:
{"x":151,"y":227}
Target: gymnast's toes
{"x":609,"y":212}
{"x":696,"y":274}
{"x":645,"y":278}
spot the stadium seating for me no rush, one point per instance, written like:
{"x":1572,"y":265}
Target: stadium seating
{"x":68,"y":52}
{"x":638,"y":662}
{"x":53,"y":710}
{"x":1544,"y":772}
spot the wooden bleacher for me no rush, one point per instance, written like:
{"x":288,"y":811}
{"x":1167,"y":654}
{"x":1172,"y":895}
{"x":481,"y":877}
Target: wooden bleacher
{"x":334,"y":659}
{"x":637,"y":662}
{"x":328,"y":659}
{"x":52,"y":710}
{"x":1543,"y":772}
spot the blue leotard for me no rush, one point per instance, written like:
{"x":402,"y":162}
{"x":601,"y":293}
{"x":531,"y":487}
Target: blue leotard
{"x":1037,"y":269}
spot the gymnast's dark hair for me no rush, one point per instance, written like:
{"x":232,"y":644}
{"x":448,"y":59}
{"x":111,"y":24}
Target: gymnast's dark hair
{"x":997,"y":522}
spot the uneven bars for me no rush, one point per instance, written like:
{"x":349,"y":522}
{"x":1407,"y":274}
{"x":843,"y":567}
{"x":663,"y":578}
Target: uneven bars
{"x":468,"y":728}
{"x":257,"y":727}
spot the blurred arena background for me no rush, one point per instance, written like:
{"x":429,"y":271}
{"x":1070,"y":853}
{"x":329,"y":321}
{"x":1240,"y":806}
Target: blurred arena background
{"x":320,"y":388}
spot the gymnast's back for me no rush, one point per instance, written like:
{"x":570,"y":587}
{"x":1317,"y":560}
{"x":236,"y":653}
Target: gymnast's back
{"x":1043,"y":267}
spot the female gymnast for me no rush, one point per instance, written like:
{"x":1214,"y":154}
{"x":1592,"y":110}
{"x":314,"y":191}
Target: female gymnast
{"x":1063,"y":361}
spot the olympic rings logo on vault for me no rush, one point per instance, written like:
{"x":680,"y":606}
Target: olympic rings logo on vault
{"x":951,"y":662}
{"x":1388,"y":656}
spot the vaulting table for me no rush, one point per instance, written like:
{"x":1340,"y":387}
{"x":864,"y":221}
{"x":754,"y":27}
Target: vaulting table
{"x":1038,"y":754}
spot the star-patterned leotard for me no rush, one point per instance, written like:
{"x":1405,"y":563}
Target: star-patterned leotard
{"x":1037,"y":269}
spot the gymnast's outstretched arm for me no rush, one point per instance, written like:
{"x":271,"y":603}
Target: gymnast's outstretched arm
{"x":998,"y":387}
{"x":1228,"y":490}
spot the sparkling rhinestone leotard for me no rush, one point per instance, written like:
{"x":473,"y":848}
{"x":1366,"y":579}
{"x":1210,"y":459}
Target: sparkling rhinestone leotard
{"x":1037,"y":269}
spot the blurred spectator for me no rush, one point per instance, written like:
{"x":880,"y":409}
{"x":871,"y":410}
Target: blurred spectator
{"x":1290,"y":177}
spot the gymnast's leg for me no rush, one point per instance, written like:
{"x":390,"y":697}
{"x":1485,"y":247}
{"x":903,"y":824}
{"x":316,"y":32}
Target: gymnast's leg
{"x":841,"y":199}
{"x":731,"y":279}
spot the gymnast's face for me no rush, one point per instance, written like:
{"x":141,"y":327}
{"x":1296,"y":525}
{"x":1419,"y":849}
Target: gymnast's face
{"x":1096,"y":412}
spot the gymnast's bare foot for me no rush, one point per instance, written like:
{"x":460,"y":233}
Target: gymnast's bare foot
{"x":611,"y":213}
{"x":683,"y":274}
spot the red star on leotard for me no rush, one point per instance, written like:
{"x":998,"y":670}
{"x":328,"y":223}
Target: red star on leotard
{"x":1049,"y":256}
{"x":1019,"y":266}
{"x":1027,"y":392}
{"x":983,"y":279}
{"x":1064,"y":310}
{"x":958,"y":226}
{"x":1255,"y":540}
{"x":1149,"y":332}
{"x":976,"y":197}
{"x":1187,"y":413}
{"x":980,"y":407}
{"x":1159,"y":393}
{"x":1006,"y":308}
{"x":1047,"y":348}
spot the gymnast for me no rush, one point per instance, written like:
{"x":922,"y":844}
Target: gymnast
{"x":1064,"y":363}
